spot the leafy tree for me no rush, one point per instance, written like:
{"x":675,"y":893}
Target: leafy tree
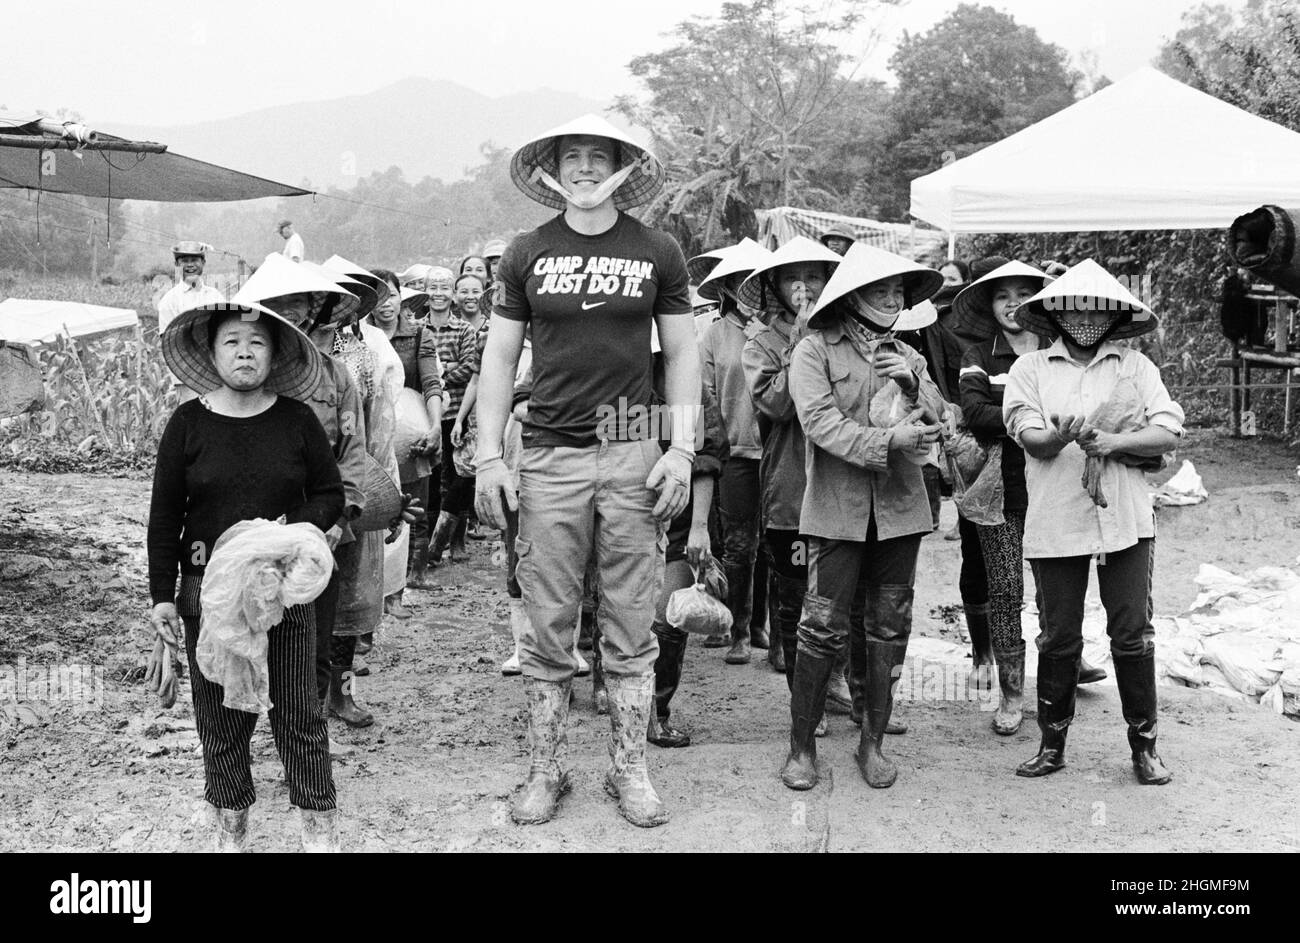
{"x":742,"y":107}
{"x":974,"y":78}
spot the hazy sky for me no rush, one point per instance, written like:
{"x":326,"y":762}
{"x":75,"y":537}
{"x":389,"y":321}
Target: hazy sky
{"x":167,"y":63}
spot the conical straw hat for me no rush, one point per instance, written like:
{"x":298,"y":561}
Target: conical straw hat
{"x":798,"y":249}
{"x":1086,"y":287}
{"x":539,"y":155}
{"x":972,"y":308}
{"x":741,"y":259}
{"x":864,"y":264}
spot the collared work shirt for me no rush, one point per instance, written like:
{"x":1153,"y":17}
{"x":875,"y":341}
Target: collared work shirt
{"x":1062,"y":521}
{"x":182,"y":297}
{"x":766,"y":360}
{"x":725,"y":380}
{"x":852,"y":474}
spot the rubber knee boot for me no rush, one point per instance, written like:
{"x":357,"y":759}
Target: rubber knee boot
{"x":1136,"y":678}
{"x":417,"y":564}
{"x":548,"y":776}
{"x":1057,"y":683}
{"x":668,"y":675}
{"x":740,"y":580}
{"x":457,"y":549}
{"x":858,"y":677}
{"x":789,"y":604}
{"x":977,"y":627}
{"x":1091,"y":674}
{"x":341,"y":704}
{"x":393,"y":606}
{"x":231,"y":834}
{"x":883,"y":658}
{"x":631,"y":702}
{"x":1011,"y":677}
{"x":775,"y":649}
{"x":760,"y":635}
{"x":807,"y":701}
{"x":441,"y":539}
{"x":320,"y":831}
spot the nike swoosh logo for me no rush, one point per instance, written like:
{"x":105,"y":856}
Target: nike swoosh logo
{"x":588,"y":305}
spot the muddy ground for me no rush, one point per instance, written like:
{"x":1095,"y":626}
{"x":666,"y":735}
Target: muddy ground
{"x":107,"y":769}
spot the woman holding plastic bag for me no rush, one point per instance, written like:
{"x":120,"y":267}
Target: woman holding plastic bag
{"x":987,"y":308}
{"x":1088,"y":412}
{"x":245,"y":449}
{"x":869,"y":412}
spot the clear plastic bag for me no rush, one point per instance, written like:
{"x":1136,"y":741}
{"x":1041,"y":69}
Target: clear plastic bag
{"x":888,"y":408}
{"x":257,"y":569}
{"x":696,"y":608}
{"x":981,"y":502}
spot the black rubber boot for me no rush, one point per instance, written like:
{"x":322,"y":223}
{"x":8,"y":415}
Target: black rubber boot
{"x":789,"y":604}
{"x":883,"y":658}
{"x":668,"y":674}
{"x":441,"y":539}
{"x":1091,"y":674}
{"x":1057,"y":683}
{"x":807,"y":700}
{"x":740,"y":585}
{"x":775,"y":651}
{"x":417,"y":564}
{"x":858,"y":676}
{"x":1136,"y":678}
{"x":760,"y":636}
{"x":981,"y":642}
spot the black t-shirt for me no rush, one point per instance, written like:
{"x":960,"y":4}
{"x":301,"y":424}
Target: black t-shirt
{"x":214,"y":471}
{"x":591,"y":301}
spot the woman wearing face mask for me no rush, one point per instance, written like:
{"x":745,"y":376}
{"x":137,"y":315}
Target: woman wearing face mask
{"x":784,"y":286}
{"x":247,"y":448}
{"x":988,"y":306}
{"x":1050,"y":400}
{"x":865,"y":508}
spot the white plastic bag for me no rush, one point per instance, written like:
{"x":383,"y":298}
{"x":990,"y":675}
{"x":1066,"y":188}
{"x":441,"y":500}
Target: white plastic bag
{"x":412,"y":423}
{"x":257,"y":569}
{"x":694,"y":609}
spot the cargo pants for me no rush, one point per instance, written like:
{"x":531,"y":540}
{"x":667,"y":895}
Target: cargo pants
{"x":580,"y":504}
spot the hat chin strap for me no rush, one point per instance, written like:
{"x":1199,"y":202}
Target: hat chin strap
{"x":875,"y":318}
{"x":587,"y":201}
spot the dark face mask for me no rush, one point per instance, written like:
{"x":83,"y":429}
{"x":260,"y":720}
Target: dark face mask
{"x":1089,"y":336}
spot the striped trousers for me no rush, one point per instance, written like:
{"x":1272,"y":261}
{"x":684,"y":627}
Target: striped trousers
{"x":296,"y":720}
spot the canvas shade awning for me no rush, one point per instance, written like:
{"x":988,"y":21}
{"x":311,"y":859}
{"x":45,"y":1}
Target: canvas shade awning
{"x":1147,"y":152}
{"x":35,"y":321}
{"x":778,"y":226}
{"x":35,"y":156}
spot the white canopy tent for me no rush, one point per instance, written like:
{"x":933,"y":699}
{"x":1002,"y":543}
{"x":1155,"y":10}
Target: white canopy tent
{"x":1144,"y":153}
{"x":30,"y":321}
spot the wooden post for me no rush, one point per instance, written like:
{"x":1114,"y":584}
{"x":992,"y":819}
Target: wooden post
{"x":94,"y":250}
{"x":241,"y":272}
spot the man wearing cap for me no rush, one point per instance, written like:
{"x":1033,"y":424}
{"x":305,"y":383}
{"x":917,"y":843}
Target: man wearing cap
{"x":293,"y":248}
{"x":838,"y":238}
{"x":190,"y":292}
{"x":593,"y":482}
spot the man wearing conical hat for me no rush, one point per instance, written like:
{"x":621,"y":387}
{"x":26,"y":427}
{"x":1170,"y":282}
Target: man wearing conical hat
{"x":190,"y":292}
{"x":593,"y":481}
{"x":1090,"y":415}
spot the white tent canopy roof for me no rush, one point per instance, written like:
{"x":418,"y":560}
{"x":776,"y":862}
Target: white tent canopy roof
{"x":29,"y":321}
{"x":1144,"y":153}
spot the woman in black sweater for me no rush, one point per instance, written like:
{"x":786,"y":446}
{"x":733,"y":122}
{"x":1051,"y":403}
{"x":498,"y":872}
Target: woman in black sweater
{"x":245,"y":449}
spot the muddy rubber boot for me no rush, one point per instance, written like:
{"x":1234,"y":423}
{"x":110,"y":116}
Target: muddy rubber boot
{"x":1091,"y":674}
{"x":668,"y":675}
{"x":231,"y":833}
{"x":417,"y":565}
{"x":518,"y":626}
{"x":441,"y":538}
{"x":807,"y":701}
{"x":631,"y":702}
{"x":739,"y":653}
{"x":457,"y":549}
{"x":1136,"y":678}
{"x":981,"y":642}
{"x":1057,"y":683}
{"x":721,"y":640}
{"x":1011,"y":678}
{"x":393,"y":606}
{"x":882,"y":660}
{"x":858,"y":675}
{"x":341,"y":704}
{"x":539,"y":797}
{"x":320,"y":831}
{"x":775,"y":649}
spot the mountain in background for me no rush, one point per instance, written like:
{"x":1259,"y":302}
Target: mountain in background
{"x":426,"y":127}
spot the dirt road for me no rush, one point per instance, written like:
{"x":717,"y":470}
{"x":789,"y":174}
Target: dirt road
{"x":103,"y":768}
